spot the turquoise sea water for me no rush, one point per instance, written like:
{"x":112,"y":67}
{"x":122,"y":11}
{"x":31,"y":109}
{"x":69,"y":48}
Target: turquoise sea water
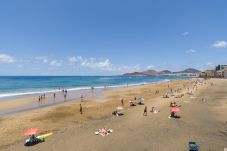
{"x":20,"y":85}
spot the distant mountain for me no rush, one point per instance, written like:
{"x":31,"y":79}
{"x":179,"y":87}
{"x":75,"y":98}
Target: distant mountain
{"x":150,"y":72}
{"x":165,"y":72}
{"x":189,"y":71}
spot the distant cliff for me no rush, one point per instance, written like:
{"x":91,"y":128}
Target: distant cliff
{"x":189,"y":71}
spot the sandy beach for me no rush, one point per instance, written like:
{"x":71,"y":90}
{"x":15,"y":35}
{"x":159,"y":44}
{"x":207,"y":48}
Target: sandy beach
{"x":203,"y":119}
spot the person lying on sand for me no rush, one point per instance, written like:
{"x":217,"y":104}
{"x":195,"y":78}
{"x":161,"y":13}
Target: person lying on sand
{"x":117,"y":113}
{"x":140,"y":103}
{"x":173,"y":115}
{"x":32,"y":140}
{"x":153,"y":110}
{"x":104,"y":131}
{"x":132,"y":104}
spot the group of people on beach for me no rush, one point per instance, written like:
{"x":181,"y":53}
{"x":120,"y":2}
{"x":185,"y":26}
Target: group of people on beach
{"x":41,"y":97}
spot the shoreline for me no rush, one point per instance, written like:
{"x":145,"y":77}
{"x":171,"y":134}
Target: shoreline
{"x":30,"y":100}
{"x":24,"y":94}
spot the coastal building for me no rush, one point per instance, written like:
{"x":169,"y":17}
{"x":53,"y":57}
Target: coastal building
{"x":219,"y":72}
{"x":202,"y":74}
{"x":221,"y":67}
{"x":225,"y":74}
{"x":208,"y":73}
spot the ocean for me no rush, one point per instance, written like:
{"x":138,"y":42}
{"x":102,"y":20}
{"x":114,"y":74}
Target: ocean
{"x":29,"y":85}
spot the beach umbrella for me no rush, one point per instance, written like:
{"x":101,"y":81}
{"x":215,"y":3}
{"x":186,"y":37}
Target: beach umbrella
{"x":140,"y":99}
{"x":175,"y":109}
{"x":31,"y":131}
{"x":131,"y":101}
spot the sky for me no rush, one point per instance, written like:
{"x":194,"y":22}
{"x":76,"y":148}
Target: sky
{"x":110,"y":37}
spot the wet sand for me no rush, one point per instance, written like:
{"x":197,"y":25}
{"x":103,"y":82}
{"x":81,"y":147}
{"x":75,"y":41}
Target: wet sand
{"x":22,"y":103}
{"x":202,"y":121}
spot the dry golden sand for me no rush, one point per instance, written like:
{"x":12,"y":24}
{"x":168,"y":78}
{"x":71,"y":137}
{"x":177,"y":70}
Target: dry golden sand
{"x":203,"y":121}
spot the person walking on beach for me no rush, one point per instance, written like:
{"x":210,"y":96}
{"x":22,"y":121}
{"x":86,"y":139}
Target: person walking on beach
{"x":81,"y":98}
{"x":54,"y":96}
{"x":81,"y":109}
{"x":92,"y":89}
{"x":122,"y":102}
{"x":65,"y":95}
{"x":145,"y":111}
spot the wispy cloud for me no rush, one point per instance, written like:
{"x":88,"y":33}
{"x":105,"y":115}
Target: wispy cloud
{"x":150,"y":67}
{"x":100,"y":64}
{"x":74,"y":59}
{"x":4,"y":58}
{"x":55,"y":63}
{"x":44,"y":59}
{"x":220,"y":44}
{"x":185,"y":33}
{"x":210,"y":63}
{"x":191,"y":51}
{"x":95,"y":64}
{"x":124,"y":69}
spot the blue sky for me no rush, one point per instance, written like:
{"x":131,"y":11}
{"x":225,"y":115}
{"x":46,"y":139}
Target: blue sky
{"x":109,"y":37}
